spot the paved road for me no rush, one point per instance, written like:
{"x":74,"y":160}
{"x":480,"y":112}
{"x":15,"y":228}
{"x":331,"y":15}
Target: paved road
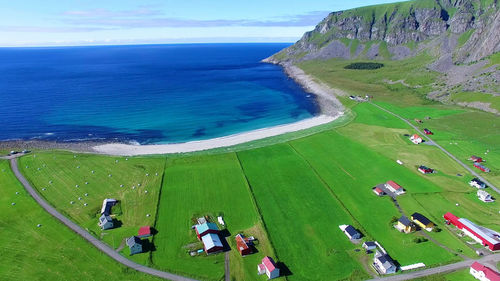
{"x":227,"y":276}
{"x":437,"y":270}
{"x":80,"y":231}
{"x":442,"y":149}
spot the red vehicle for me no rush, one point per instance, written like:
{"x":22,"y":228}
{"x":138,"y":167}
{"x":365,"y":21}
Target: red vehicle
{"x":428,"y":132}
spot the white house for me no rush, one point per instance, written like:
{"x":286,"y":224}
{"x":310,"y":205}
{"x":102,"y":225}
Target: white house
{"x":383,"y":263}
{"x":105,"y":222}
{"x":269,"y":268}
{"x":477,"y":183}
{"x":416,"y":139}
{"x":369,"y":245}
{"x":484,"y":196}
{"x":483,"y":273}
{"x":394,"y":187}
{"x":107,"y":204}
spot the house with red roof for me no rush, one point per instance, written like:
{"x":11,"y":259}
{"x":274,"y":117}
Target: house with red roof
{"x":378,"y":191}
{"x":483,"y":273}
{"x":144,"y":232}
{"x":428,"y":132}
{"x":243,"y":245}
{"x":394,"y":187}
{"x":425,"y":170}
{"x":268,"y":267}
{"x":476,"y":159}
{"x":416,"y":139}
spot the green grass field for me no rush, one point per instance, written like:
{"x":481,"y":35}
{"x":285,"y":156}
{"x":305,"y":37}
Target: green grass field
{"x":49,"y":252}
{"x":56,"y":174}
{"x":301,"y":215}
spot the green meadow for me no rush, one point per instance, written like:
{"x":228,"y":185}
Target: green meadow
{"x":63,"y":177}
{"x":48,"y":252}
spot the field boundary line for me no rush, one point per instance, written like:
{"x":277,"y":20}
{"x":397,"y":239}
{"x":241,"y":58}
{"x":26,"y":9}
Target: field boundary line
{"x":158,"y":205}
{"x":256,"y":205}
{"x":101,"y":246}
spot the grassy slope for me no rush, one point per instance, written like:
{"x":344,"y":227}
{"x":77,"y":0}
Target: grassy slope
{"x":301,"y":215}
{"x":61,"y":169}
{"x":197,"y":186}
{"x":49,"y":252}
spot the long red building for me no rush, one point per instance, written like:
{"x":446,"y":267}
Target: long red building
{"x":481,"y":234}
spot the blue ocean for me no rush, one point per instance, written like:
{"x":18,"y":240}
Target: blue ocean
{"x":146,"y":93}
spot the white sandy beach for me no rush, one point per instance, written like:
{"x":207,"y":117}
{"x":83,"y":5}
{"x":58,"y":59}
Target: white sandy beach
{"x":130,"y":150}
{"x":330,"y":108}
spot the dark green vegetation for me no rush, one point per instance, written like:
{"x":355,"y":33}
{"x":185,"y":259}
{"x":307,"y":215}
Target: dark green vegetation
{"x":364,"y":65}
{"x":48,"y":252}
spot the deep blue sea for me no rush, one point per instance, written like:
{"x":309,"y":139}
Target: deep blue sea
{"x":145,"y":94}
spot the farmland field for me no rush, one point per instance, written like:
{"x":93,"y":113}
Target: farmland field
{"x":198,"y":186}
{"x":301,"y":215}
{"x":48,"y":252}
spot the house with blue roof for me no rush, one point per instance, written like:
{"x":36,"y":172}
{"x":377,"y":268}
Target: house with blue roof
{"x":206,"y":228}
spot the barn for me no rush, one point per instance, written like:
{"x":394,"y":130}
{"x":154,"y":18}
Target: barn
{"x":481,"y":167}
{"x":485,"y":236}
{"x":144,"y":232}
{"x":243,"y":245}
{"x":425,"y":170}
{"x":212,"y":243}
{"x":477,"y":159}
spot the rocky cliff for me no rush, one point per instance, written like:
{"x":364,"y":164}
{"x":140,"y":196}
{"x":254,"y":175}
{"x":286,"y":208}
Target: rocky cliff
{"x":400,"y":30}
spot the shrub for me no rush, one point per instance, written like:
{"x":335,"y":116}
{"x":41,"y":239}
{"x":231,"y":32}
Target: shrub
{"x":364,"y":65}
{"x":420,"y":239}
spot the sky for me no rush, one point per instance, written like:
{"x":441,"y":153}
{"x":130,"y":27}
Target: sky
{"x":95,"y":22}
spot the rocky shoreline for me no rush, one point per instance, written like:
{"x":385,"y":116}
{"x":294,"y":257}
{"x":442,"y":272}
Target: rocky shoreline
{"x":326,"y":96}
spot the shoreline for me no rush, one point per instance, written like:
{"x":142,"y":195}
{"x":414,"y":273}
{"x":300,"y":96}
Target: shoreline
{"x":330,"y":110}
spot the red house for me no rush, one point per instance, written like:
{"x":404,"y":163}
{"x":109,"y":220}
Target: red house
{"x":428,"y":132}
{"x":144,"y":232}
{"x":243,"y":245}
{"x":481,"y":167}
{"x":487,"y":237}
{"x":476,"y":159}
{"x":206,"y":228}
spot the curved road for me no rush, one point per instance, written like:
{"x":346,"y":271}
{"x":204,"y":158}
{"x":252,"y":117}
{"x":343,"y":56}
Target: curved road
{"x":80,"y":231}
{"x":440,"y":147}
{"x":441,"y":269}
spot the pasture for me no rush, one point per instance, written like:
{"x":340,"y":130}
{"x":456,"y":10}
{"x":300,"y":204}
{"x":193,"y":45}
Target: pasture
{"x":48,"y":252}
{"x":63,"y":177}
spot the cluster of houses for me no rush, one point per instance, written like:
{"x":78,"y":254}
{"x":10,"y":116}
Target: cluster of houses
{"x":208,"y":233}
{"x":417,"y":220}
{"x":481,"y":194}
{"x":389,"y":188}
{"x":487,"y":237}
{"x":135,"y":243}
{"x":478,"y":163}
{"x":483,"y":273}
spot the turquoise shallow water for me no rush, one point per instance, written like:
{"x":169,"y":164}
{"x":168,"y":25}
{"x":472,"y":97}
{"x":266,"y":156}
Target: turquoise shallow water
{"x":145,"y":94}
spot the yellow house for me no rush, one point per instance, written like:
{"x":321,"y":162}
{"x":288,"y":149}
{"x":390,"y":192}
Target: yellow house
{"x":405,"y":225}
{"x":422,"y":221}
